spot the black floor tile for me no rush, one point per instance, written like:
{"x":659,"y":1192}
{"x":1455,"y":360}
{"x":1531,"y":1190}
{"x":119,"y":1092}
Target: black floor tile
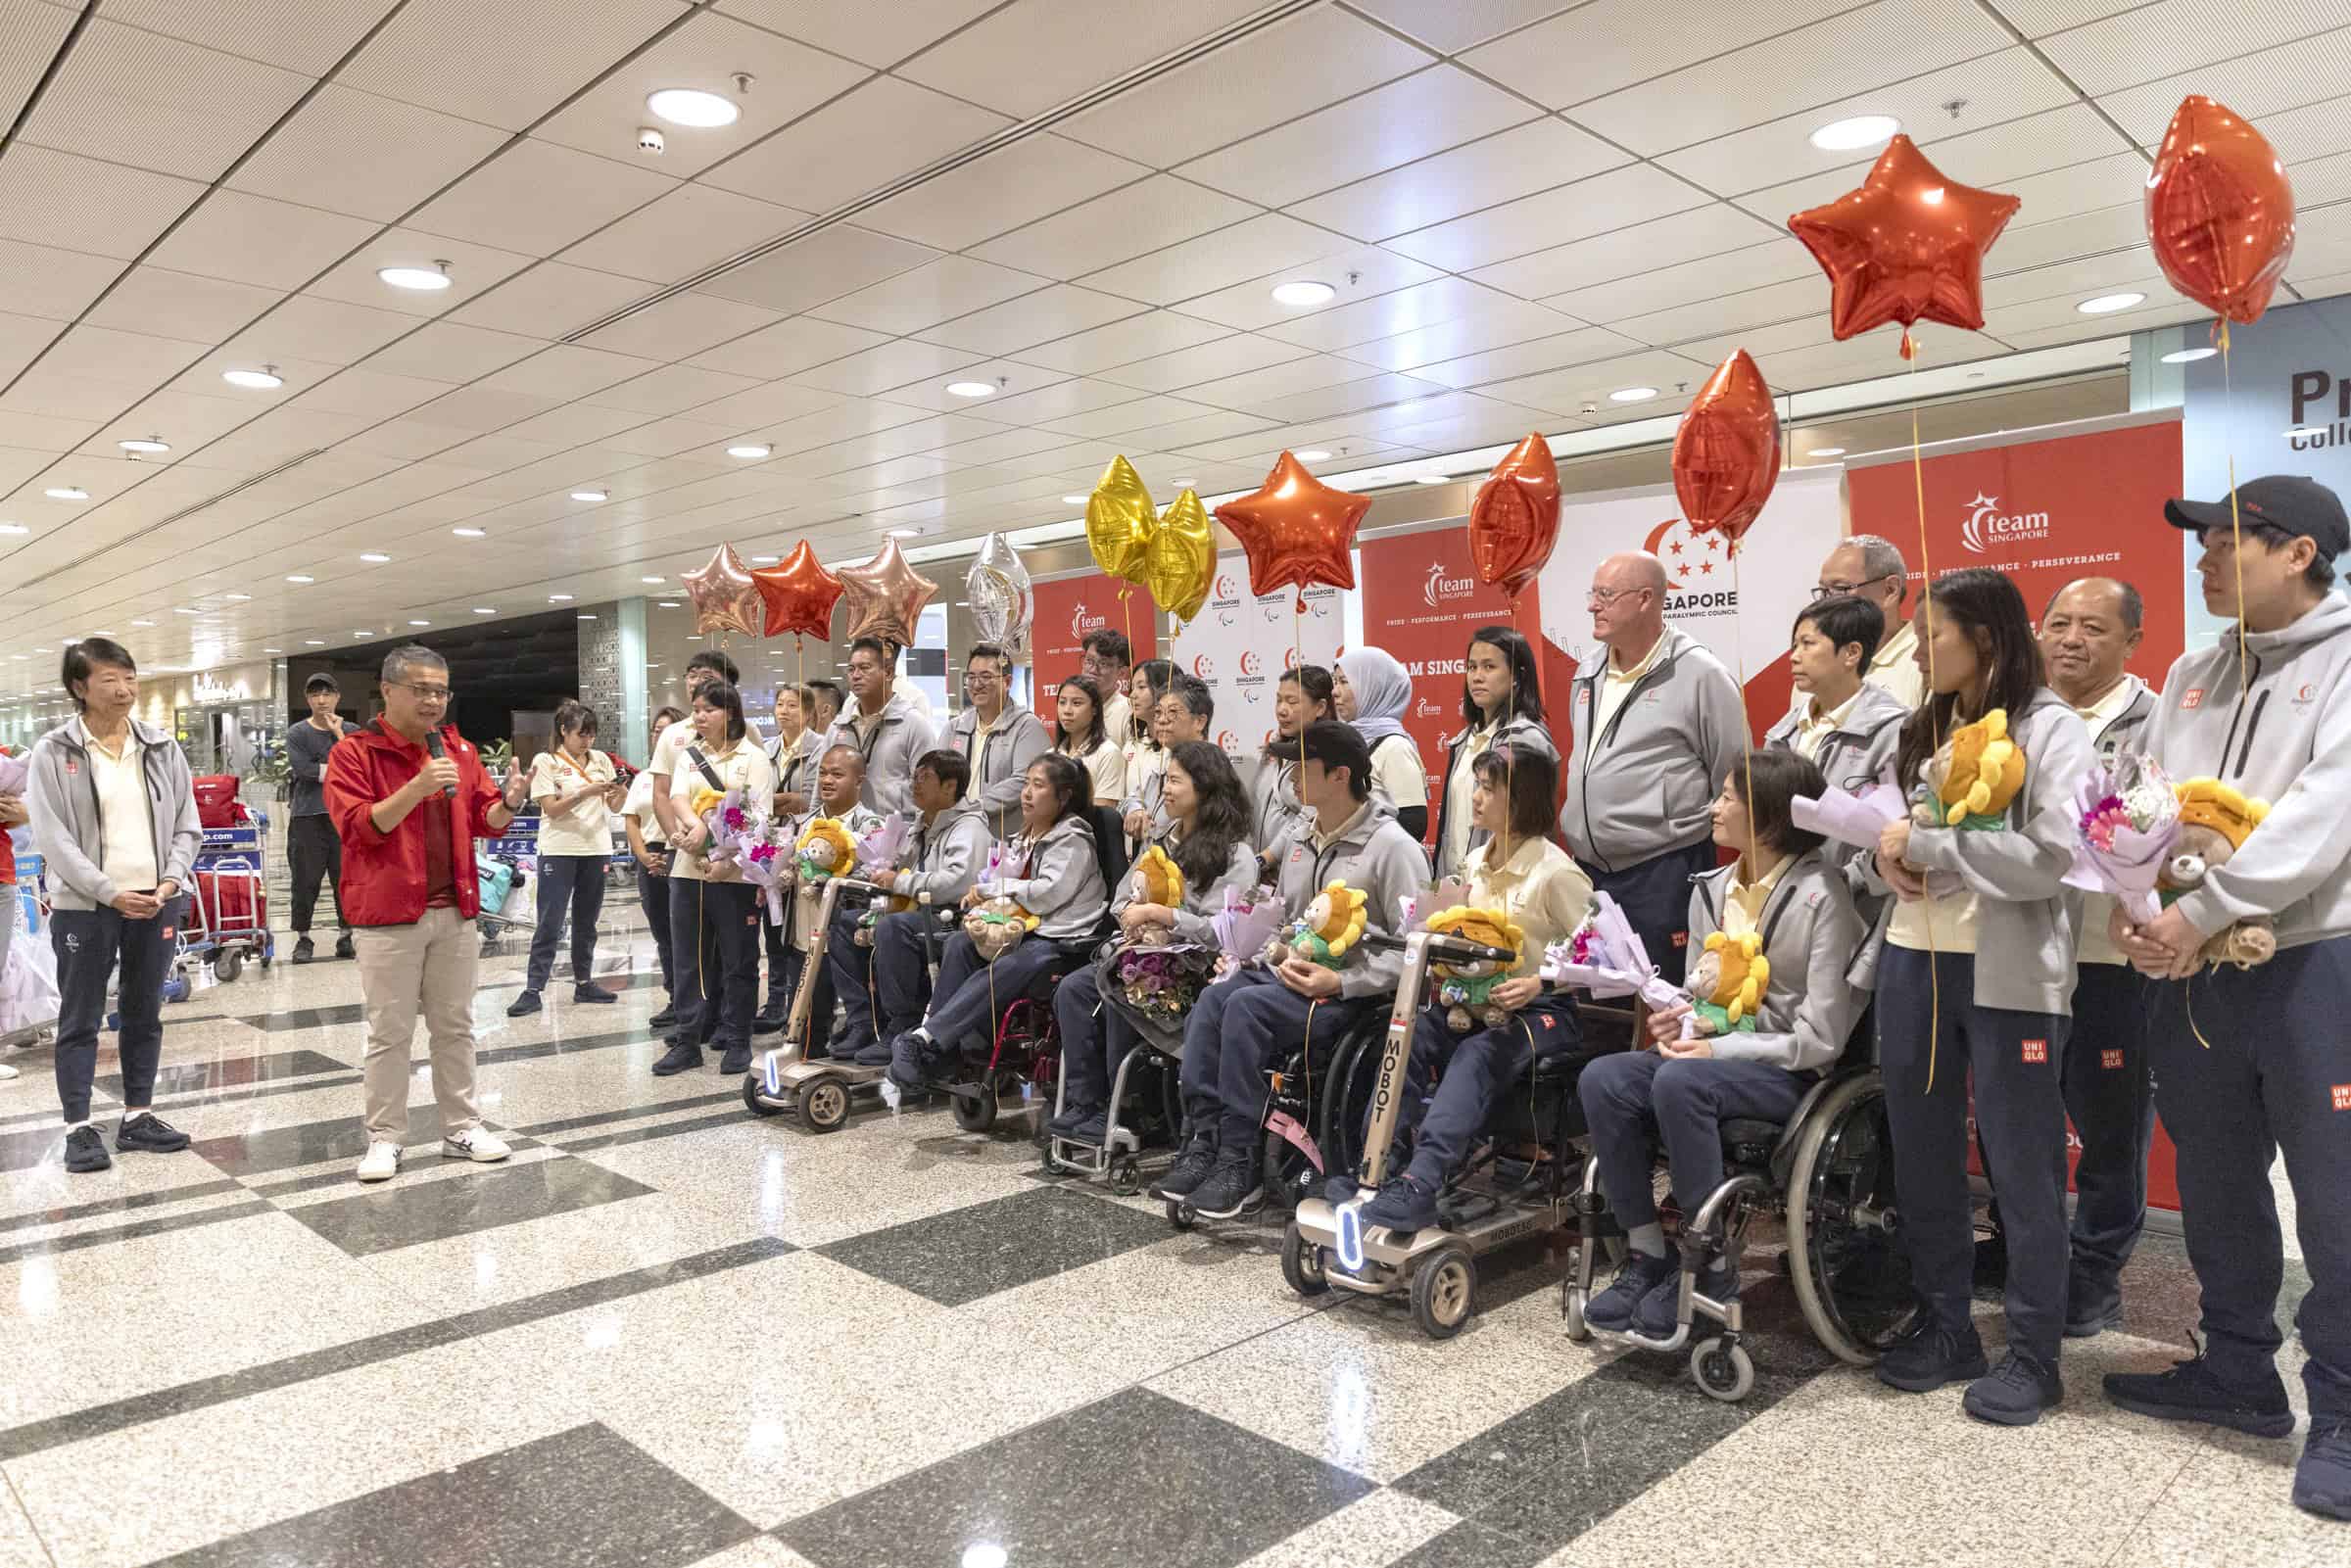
{"x":395,"y":1216}
{"x":187,"y":1077}
{"x":310,"y":1143}
{"x":1136,"y":1478}
{"x":994,"y":1245}
{"x":1470,"y":1544}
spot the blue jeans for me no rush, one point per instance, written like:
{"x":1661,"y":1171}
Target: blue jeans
{"x":573,"y":883}
{"x":89,"y":942}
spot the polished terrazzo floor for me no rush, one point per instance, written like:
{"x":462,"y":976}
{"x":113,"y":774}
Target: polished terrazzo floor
{"x":668,"y":1334}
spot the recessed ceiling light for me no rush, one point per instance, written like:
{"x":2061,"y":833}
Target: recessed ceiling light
{"x":483,"y":609}
{"x":1632,"y":393}
{"x":652,"y":580}
{"x":750,"y":450}
{"x":314,"y":642}
{"x":239,"y":597}
{"x":1826,"y":452}
{"x":1851,"y":136}
{"x":1076,"y":500}
{"x":905,"y":533}
{"x":94,"y":633}
{"x":142,"y":623}
{"x":559,"y":598}
{"x":471,"y":533}
{"x":14,"y":528}
{"x":273,"y":650}
{"x":2188,"y":356}
{"x":176,"y":610}
{"x":143,"y":446}
{"x":587,"y":495}
{"x":1432,"y":479}
{"x":297,"y":577}
{"x":420,"y":623}
{"x":972,"y":388}
{"x":66,"y":493}
{"x":261,"y":380}
{"x":2108,"y":304}
{"x":693,"y":106}
{"x":1301,"y":293}
{"x":1313,"y":455}
{"x":362,"y":633}
{"x":373,"y":558}
{"x":425,"y":279}
{"x":585,"y":616}
{"x":670,"y":603}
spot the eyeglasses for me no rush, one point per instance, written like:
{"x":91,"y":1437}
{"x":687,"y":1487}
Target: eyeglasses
{"x":980,"y":677}
{"x":1599,"y":598}
{"x":1821,"y":591}
{"x":424,"y":693}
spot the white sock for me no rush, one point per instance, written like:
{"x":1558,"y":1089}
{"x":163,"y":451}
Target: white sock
{"x":72,"y":1128}
{"x":923,"y":1035}
{"x":1648,"y":1239}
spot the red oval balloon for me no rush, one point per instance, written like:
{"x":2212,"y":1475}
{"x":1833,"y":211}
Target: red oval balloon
{"x":2220,"y":211}
{"x":1908,"y":246}
{"x":800,"y":594}
{"x":1726,"y":454}
{"x":1296,"y":529}
{"x":1514,"y":520}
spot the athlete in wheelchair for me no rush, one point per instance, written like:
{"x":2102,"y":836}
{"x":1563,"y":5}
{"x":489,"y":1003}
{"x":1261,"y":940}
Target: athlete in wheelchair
{"x":884,"y":980}
{"x":1750,"y":1090}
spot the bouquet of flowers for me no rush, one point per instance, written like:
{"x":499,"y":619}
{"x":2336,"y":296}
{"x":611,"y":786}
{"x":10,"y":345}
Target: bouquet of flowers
{"x":1243,"y":927}
{"x":2126,"y":821}
{"x":1604,"y":956}
{"x":1160,"y":984}
{"x":1846,"y":817}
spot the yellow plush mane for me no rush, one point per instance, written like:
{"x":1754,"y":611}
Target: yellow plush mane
{"x":1490,"y":926}
{"x":829,"y":831}
{"x":1746,"y":972}
{"x":2228,"y":812}
{"x":1158,"y":880}
{"x":1986,"y":770}
{"x":1349,"y":912}
{"x":703,"y":800}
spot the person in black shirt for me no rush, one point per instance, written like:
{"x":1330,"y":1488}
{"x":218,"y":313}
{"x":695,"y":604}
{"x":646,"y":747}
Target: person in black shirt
{"x":311,"y":848}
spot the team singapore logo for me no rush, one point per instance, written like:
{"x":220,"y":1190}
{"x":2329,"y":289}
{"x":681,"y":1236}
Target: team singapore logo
{"x":1203,"y":666}
{"x":1083,"y":621}
{"x":1987,"y":526}
{"x":1438,"y":589}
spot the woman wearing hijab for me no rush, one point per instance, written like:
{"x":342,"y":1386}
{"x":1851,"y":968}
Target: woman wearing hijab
{"x":1372,"y":691}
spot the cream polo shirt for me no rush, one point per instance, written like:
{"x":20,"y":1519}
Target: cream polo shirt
{"x":1743,"y":907}
{"x":586,"y":829}
{"x":1540,"y":888}
{"x":1398,"y":770}
{"x":1106,"y":766}
{"x":743,"y":766}
{"x":1815,"y":726}
{"x":1616,"y":685}
{"x":126,"y":852}
{"x":2097,"y":945}
{"x":1895,"y":668}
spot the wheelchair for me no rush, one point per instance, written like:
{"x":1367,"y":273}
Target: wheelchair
{"x":1023,"y":1058}
{"x":1146,"y":1112}
{"x":1828,"y":1173}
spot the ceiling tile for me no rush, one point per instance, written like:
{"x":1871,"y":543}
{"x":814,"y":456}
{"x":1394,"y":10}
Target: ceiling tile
{"x":133,"y":97}
{"x":1567,"y":391}
{"x":693,"y":227}
{"x":517,"y":60}
{"x":81,"y":203}
{"x":1270,"y":241}
{"x":1347,"y":396}
{"x":1702,"y":231}
{"x":680,"y":327}
{"x":249,"y":239}
{"x":1232,"y":356}
{"x":1597,"y":48}
{"x":1580,"y":346}
{"x":797,"y":343}
{"x":1028,"y":180}
{"x":310,"y":327}
{"x":34,"y":32}
{"x":41,"y":280}
{"x":551,"y":300}
{"x":1052,"y":312}
{"x":949,"y":287}
{"x":1123,"y":342}
{"x":1779,"y":260}
{"x":1124,"y":419}
{"x":1514,"y":163}
{"x":2255,"y":84}
{"x":672,"y":388}
{"x":1439,"y":108}
{"x":537,"y":198}
{"x":1406,"y":310}
{"x":762,"y":403}
{"x":1254,"y":388}
{"x":1355,"y":274}
{"x":878,"y":369}
{"x":666,"y":437}
{"x":858,"y":29}
{"x":1144,"y":216}
{"x":1616,"y":200}
{"x":375,"y":157}
{"x":823,"y":266}
{"x":308,"y":38}
{"x":1487,"y":328}
{"x":482,"y":408}
{"x":1796,"y":299}
{"x":1992,"y":158}
{"x":150,"y":299}
{"x":368,"y":391}
{"x":881,"y":131}
{"x":443,"y":351}
{"x":2121,"y":227}
{"x":1031,"y":55}
{"x":23,"y":339}
{"x":2170,"y":36}
{"x":565,"y":370}
{"x":1451,"y":26}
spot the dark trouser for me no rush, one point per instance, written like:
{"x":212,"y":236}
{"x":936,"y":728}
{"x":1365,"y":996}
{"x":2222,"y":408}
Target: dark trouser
{"x":312,"y":851}
{"x":856,"y":974}
{"x":1637,"y":1101}
{"x":2016,"y":1060}
{"x":1655,"y":895}
{"x":971,"y":994}
{"x":717,"y":951}
{"x":653,"y":893}
{"x":1241,"y":1027}
{"x":88,"y":943}
{"x":782,"y":964}
{"x":1472,"y":1071}
{"x":1094,"y":1040}
{"x":573,"y":884}
{"x":2110,"y":1097}
{"x":2250,"y":1061}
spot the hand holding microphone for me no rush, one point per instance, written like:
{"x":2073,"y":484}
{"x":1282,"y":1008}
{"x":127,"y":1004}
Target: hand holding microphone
{"x":440,"y":771}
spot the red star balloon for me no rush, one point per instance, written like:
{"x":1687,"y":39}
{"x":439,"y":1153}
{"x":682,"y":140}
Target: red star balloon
{"x":1514,"y":520}
{"x":1726,"y":454}
{"x":725,"y":599}
{"x":1296,"y":529}
{"x":1908,"y":246}
{"x":800,"y":594}
{"x":2220,"y":211}
{"x":886,"y":597}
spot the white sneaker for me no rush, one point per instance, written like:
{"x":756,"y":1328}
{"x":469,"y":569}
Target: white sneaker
{"x":6,"y":1072}
{"x":381,"y":1161}
{"x":475,"y":1144}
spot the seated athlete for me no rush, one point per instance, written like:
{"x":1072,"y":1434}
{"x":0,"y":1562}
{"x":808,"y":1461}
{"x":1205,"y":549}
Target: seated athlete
{"x":839,"y":795}
{"x":1680,"y":1091}
{"x":1243,"y":1020}
{"x":884,"y":989}
{"x":1051,"y":871}
{"x":1208,"y":841}
{"x":1520,"y":873}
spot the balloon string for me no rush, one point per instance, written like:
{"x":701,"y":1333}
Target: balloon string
{"x":2236,"y":525}
{"x":1747,"y":753}
{"x":1926,"y":607}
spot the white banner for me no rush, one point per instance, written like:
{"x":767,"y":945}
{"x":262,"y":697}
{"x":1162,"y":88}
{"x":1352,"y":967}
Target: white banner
{"x":1243,"y":642}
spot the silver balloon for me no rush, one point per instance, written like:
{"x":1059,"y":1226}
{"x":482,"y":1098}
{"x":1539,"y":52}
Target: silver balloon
{"x":1004,"y":601}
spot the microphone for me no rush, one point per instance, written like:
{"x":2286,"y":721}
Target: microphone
{"x":432,"y":744}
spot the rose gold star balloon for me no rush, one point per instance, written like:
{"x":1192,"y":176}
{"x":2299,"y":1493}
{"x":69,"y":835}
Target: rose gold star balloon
{"x":1296,"y":529}
{"x":725,"y":599}
{"x":1726,"y":454}
{"x":1908,"y":246}
{"x":886,"y":597}
{"x":800,"y":595}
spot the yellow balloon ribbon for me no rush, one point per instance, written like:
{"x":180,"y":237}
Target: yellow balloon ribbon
{"x":1118,"y":520}
{"x":1182,"y":557}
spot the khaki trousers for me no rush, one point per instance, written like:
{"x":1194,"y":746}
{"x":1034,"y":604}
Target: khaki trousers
{"x":405,"y":970}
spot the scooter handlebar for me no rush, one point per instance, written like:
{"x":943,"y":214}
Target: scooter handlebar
{"x":1451,"y":949}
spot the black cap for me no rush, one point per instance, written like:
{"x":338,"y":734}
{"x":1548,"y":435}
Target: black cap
{"x":322,"y":682}
{"x":2295,"y":504}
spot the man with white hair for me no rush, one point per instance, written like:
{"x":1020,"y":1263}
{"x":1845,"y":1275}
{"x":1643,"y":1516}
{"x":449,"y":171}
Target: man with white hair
{"x":1870,"y":567}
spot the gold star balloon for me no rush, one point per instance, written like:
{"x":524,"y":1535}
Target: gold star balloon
{"x":886,"y":597}
{"x":725,"y":599}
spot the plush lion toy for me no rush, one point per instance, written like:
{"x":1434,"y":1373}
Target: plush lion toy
{"x":996,"y":926}
{"x":1727,"y":983}
{"x":1981,"y":771}
{"x":1465,"y":989}
{"x":825,"y":849}
{"x":1155,"y":880}
{"x":1325,"y":932}
{"x":2215,"y":821}
{"x":705,"y":800}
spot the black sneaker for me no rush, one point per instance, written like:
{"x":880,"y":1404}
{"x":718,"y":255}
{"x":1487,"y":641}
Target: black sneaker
{"x":1402,"y":1203}
{"x":2323,"y":1479}
{"x":2016,"y":1391}
{"x":1094,"y":1129}
{"x":1076,"y":1111}
{"x":769,"y":1023}
{"x":526,"y":1003}
{"x":343,"y":947}
{"x":588,"y":991}
{"x":736,"y":1061}
{"x":2092,"y":1307}
{"x":304,"y":953}
{"x":85,"y":1151}
{"x":873,"y":1054}
{"x":1928,"y":1355}
{"x":1660,"y":1315}
{"x":680,"y":1059}
{"x":665,"y":1018}
{"x":1614,"y":1308}
{"x":2191,"y":1392}
{"x":1190,"y":1169}
{"x":149,"y":1134}
{"x":1230,"y":1187}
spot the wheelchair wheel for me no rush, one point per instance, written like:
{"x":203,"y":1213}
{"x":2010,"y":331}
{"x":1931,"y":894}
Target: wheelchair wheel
{"x":1850,"y":1278}
{"x":1723,"y":1371}
{"x":976,"y":1113}
{"x":1302,"y":1262}
{"x":1347,"y":1101}
{"x":824,"y":1105}
{"x":1126,"y":1177}
{"x":1443,"y":1290}
{"x":1180,"y":1215}
{"x":751,"y":1101}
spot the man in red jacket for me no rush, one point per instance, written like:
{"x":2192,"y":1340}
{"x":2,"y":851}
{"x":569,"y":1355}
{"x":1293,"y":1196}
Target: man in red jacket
{"x":409,"y":798}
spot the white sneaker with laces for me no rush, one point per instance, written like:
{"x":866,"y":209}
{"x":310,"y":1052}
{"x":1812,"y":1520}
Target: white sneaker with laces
{"x":381,"y":1161}
{"x":475,"y":1144}
{"x":6,"y":1072}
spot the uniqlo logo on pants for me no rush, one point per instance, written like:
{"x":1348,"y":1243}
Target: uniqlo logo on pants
{"x":2036,"y":1051}
{"x":2111,"y":1061}
{"x":2341,"y":1094}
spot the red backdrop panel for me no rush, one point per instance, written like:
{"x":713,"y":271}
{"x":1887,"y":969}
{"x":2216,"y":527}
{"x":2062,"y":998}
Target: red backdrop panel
{"x":1069,"y":608}
{"x":1421,"y":601}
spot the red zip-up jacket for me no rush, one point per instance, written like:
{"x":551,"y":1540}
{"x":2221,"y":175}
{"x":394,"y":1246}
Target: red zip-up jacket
{"x":383,"y":873}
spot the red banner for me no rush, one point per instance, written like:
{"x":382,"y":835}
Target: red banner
{"x":1421,"y":601}
{"x":1069,"y":608}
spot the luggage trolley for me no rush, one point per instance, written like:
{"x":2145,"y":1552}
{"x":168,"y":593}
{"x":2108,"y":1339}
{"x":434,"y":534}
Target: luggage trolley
{"x":227,"y":919}
{"x":503,"y":867}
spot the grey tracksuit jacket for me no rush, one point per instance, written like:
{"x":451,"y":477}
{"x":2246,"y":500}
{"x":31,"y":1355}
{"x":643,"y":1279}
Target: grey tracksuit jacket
{"x":1001,"y":763}
{"x":1374,"y":855}
{"x":890,"y":749}
{"x":1516,"y":731}
{"x":1057,"y":878}
{"x":1642,"y":785}
{"x":1276,"y":813}
{"x":1855,"y":755}
{"x":1200,"y":901}
{"x":2286,"y":742}
{"x":1810,"y":932}
{"x":945,"y":857}
{"x":62,"y":796}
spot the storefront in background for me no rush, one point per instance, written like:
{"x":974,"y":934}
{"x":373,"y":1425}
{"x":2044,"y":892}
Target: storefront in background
{"x":224,"y":717}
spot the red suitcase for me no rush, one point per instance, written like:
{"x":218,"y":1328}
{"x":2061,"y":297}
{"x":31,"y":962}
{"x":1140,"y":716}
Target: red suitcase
{"x":217,"y":800}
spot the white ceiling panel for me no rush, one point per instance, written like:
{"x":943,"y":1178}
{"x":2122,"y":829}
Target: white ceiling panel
{"x":1346,"y":397}
{"x":1122,"y":419}
{"x":308,"y":38}
{"x":1055,"y":312}
{"x":823,"y":266}
{"x":1213,"y":360}
{"x":1702,"y":231}
{"x":1012,"y":378}
{"x":680,"y":327}
{"x":2315,"y":130}
{"x":1028,"y":180}
{"x":1355,"y":274}
{"x":1599,"y":47}
{"x":1514,"y":163}
{"x":1061,"y":400}
{"x":693,"y":227}
{"x":2158,"y":40}
{"x":566,"y":370}
{"x":672,"y":388}
{"x":880,"y":369}
{"x":949,"y":287}
{"x":1580,"y":346}
{"x":1451,"y":26}
{"x":247,"y":239}
{"x":763,"y":403}
{"x":575,"y":424}
{"x":1439,"y":108}
{"x":1270,"y":241}
{"x":881,"y":130}
{"x":877,"y":36}
{"x":667,"y":438}
{"x":1616,"y":200}
{"x":445,"y":351}
{"x":550,"y":299}
{"x":22,"y":338}
{"x":320,"y":329}
{"x":1220,"y":425}
{"x":1780,"y":261}
{"x":1147,"y":215}
{"x":1447,"y":342}
{"x":134,"y":358}
{"x":34,"y":32}
{"x":1799,"y":298}
{"x":1031,"y":55}
{"x":366,"y":392}
{"x":481,"y":409}
{"x":2255,"y":84}
{"x":1317,"y":57}
{"x":537,"y":198}
{"x":81,"y":203}
{"x":352,"y":152}
{"x":517,"y":60}
{"x":2121,"y":227}
{"x":150,"y":299}
{"x":133,"y":97}
{"x":1252,"y":389}
{"x":1123,"y":343}
{"x":1402,"y":310}
{"x":44,"y":281}
{"x":799,"y":343}
{"x":1568,"y":391}
{"x":1991,"y":159}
